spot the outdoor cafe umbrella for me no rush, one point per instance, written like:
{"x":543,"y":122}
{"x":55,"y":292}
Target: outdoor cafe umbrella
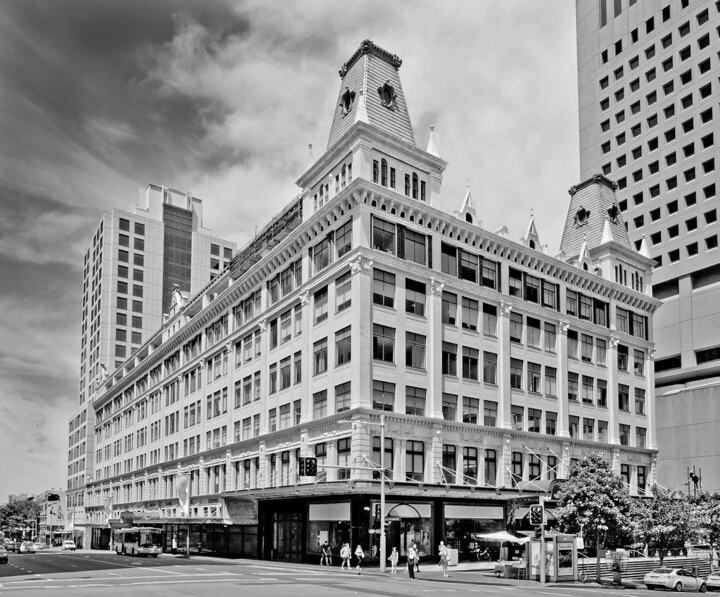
{"x":502,"y":537}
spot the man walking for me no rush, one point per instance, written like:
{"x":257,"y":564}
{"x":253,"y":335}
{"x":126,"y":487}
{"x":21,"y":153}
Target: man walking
{"x":411,"y":556}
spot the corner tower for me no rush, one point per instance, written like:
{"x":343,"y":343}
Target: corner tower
{"x":371,"y":92}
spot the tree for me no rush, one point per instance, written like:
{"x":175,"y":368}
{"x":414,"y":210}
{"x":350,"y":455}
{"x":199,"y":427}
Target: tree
{"x":594,"y":502}
{"x":18,"y":515}
{"x":707,"y":518}
{"x":664,"y":521}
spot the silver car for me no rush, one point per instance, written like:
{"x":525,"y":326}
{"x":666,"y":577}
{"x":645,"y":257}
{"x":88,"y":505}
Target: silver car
{"x":713,"y":581}
{"x":677,"y":579}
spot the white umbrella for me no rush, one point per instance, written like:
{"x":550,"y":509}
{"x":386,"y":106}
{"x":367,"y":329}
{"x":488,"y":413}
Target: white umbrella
{"x":503,"y":536}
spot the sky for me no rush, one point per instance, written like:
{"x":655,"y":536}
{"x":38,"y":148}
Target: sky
{"x":221,"y":99}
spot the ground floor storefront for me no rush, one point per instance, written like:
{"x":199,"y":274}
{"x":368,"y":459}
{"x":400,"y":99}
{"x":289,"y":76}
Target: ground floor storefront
{"x":295,"y":527}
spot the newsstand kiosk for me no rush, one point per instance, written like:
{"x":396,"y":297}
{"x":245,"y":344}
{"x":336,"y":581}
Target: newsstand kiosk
{"x":560,"y":557}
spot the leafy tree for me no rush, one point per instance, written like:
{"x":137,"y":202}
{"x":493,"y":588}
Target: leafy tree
{"x":664,"y":521}
{"x":706,"y":513}
{"x":18,"y":515}
{"x":594,"y":502}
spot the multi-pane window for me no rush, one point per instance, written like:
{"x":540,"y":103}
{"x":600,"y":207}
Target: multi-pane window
{"x":383,"y":236}
{"x":586,"y":348}
{"x":449,"y":407}
{"x":415,"y":247}
{"x":600,"y":351}
{"x":383,"y":343}
{"x":572,"y":386}
{"x":490,"y":467}
{"x":602,"y":431}
{"x":574,"y":427}
{"x":320,"y":404}
{"x":342,"y":397}
{"x":387,"y":458}
{"x":414,"y":297}
{"x":343,"y":455}
{"x":470,"y":466}
{"x":321,"y":255}
{"x":285,"y":327}
{"x":343,"y":239}
{"x":415,"y":401}
{"x":449,"y":463}
{"x":449,"y":358}
{"x":285,"y":374}
{"x":639,"y":362}
{"x":624,"y":435}
{"x":343,"y":292}
{"x":588,"y":431}
{"x":533,"y":332}
{"x":572,"y":344}
{"x":449,"y":308}
{"x":320,"y":302}
{"x":489,"y":367}
{"x":622,"y":357}
{"x":383,"y":395}
{"x":414,"y":460}
{"x":516,"y":415}
{"x":588,"y":387}
{"x":623,"y":397}
{"x":639,"y":401}
{"x":516,"y":374}
{"x":471,"y":408}
{"x":601,"y":393}
{"x":342,"y":346}
{"x":489,"y":320}
{"x":550,"y":423}
{"x":516,"y":327}
{"x":550,"y":381}
{"x":517,"y":468}
{"x":550,"y":337}
{"x":534,"y":377}
{"x":383,"y":288}
{"x":534,"y":420}
{"x":320,"y":356}
{"x":415,"y":350}
{"x":469,"y":314}
{"x":534,"y":468}
{"x":490,"y":409}
{"x":470,"y":360}
{"x":640,"y":437}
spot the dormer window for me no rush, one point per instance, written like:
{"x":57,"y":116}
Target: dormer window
{"x":613,"y":213}
{"x":581,"y":217}
{"x":387,"y":95}
{"x":346,"y":100}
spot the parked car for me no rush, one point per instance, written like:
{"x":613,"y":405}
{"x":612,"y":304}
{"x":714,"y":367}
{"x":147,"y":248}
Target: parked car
{"x":713,"y":581}
{"x":68,"y":545}
{"x":3,"y":555}
{"x":11,"y":545}
{"x":27,"y":547}
{"x":677,"y":579}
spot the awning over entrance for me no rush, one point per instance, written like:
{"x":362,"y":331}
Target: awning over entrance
{"x":408,"y":510}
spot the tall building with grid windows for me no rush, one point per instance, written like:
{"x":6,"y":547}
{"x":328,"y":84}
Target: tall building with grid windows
{"x":136,"y":261}
{"x":650,"y":120}
{"x":491,"y":365}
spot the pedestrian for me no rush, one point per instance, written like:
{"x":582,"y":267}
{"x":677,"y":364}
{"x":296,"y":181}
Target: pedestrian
{"x":325,"y":555}
{"x":442,"y":550}
{"x":393,"y":560}
{"x":359,"y":554}
{"x":411,"y":555}
{"x":174,"y":544}
{"x":345,"y":555}
{"x":417,"y":557}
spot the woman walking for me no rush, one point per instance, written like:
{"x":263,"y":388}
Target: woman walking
{"x":345,"y":555}
{"x":393,"y":560}
{"x":442,"y":550}
{"x":359,"y":554}
{"x":411,"y":556}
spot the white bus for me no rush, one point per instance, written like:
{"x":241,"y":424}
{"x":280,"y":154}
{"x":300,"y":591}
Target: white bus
{"x":139,"y":541}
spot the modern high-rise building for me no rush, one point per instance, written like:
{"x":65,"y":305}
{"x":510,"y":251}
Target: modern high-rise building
{"x":650,"y":120}
{"x":427,"y":364}
{"x":135,"y":262}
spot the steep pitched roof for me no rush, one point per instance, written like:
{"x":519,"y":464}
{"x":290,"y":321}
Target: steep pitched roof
{"x":467,"y":211}
{"x":371,"y":75}
{"x":592,"y":204}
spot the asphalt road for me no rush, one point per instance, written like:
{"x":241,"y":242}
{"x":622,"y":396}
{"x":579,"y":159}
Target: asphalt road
{"x":88,"y":574}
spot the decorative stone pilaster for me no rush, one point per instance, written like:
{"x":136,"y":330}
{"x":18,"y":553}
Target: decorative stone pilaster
{"x":504,"y":390}
{"x":612,"y":367}
{"x":563,"y":422}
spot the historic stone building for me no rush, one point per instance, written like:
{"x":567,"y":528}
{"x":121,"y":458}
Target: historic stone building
{"x":491,"y":364}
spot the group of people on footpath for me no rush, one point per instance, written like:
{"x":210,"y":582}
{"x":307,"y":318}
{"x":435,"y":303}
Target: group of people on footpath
{"x":413,"y":558}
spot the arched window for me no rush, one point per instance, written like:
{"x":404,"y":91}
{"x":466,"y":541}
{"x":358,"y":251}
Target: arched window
{"x":468,"y":218}
{"x":383,"y":172}
{"x":414,"y":186}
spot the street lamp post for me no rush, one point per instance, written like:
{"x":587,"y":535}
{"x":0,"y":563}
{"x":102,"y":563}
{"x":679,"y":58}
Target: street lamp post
{"x":383,"y":539}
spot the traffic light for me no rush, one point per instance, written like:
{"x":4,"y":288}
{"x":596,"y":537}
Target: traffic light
{"x":311,"y":466}
{"x":537,"y":514}
{"x":301,"y":466}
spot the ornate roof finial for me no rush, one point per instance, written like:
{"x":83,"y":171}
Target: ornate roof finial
{"x":310,"y":159}
{"x":432,"y":147}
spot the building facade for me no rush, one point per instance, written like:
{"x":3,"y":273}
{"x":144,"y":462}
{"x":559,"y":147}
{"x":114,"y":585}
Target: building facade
{"x":490,"y":365}
{"x":649,"y":120}
{"x":133,"y":265}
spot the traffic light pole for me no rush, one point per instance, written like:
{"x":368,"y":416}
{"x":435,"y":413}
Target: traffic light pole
{"x":383,"y":538}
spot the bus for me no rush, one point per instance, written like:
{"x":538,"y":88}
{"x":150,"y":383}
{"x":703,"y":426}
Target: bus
{"x":139,"y":541}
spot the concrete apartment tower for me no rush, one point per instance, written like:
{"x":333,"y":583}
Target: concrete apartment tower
{"x":490,"y":365}
{"x":133,"y":265}
{"x":650,"y":120}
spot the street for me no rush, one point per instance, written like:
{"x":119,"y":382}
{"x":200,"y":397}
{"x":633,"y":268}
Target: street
{"x":89,"y":573}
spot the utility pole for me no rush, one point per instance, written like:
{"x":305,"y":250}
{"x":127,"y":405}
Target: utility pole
{"x":542,"y":543}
